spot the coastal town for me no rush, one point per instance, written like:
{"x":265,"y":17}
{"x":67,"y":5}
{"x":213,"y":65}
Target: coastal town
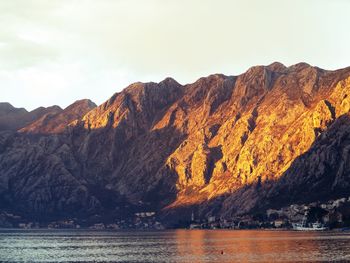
{"x":332,"y":214}
{"x":140,"y":221}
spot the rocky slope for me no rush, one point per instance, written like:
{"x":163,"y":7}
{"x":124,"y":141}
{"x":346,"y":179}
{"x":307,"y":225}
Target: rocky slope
{"x":56,"y":122}
{"x":223,"y":145}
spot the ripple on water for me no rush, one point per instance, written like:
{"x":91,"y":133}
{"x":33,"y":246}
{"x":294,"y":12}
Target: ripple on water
{"x":172,"y":246}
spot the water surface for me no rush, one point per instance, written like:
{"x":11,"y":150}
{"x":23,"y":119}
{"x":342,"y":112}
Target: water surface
{"x":172,"y":246}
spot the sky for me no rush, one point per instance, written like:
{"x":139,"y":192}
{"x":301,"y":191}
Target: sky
{"x":53,"y":52}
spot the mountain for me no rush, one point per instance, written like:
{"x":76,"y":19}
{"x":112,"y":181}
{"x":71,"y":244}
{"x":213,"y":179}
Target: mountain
{"x":12,"y":118}
{"x":223,"y":145}
{"x":56,"y":122}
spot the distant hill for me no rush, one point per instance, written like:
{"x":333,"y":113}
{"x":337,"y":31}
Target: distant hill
{"x":12,"y":118}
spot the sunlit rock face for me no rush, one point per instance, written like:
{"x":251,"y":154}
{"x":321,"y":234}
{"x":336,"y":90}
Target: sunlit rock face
{"x":224,"y":144}
{"x":273,"y":115}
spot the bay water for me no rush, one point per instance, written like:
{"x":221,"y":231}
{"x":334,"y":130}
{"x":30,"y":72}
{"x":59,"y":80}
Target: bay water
{"x":173,"y":246}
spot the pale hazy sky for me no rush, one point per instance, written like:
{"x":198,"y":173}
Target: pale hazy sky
{"x":58,"y":51}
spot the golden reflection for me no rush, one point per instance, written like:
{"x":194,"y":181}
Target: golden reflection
{"x":246,"y":246}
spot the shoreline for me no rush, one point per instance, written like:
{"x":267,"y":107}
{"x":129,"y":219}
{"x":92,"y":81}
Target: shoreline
{"x":170,"y":230}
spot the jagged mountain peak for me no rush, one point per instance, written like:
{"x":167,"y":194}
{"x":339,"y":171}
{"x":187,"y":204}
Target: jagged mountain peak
{"x":79,"y":104}
{"x":54,"y":107}
{"x":277,"y":66}
{"x":58,"y":121}
{"x":299,"y":66}
{"x":12,"y":118}
{"x":141,"y":100}
{"x":169,"y":81}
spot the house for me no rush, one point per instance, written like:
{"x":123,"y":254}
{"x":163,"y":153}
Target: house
{"x":195,"y":226}
{"x":98,"y":226}
{"x":211,"y":219}
{"x":278,"y":223}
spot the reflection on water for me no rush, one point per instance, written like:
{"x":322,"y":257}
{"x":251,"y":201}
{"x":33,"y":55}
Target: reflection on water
{"x":261,"y":246}
{"x":172,"y":246}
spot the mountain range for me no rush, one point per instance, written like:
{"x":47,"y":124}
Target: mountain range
{"x":223,"y":145}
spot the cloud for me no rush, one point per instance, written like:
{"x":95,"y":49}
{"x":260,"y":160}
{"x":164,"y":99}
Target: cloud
{"x":60,"y":50}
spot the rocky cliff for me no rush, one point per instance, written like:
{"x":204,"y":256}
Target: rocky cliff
{"x":224,"y":145}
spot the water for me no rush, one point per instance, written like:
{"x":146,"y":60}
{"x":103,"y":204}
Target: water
{"x":172,"y":246}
